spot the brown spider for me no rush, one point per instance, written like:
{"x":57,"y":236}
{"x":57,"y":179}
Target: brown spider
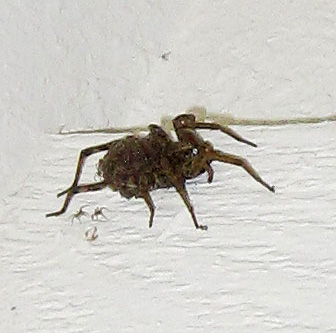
{"x":136,"y":165}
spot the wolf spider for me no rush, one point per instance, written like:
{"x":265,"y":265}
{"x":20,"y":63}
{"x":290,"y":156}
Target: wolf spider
{"x":134,"y":165}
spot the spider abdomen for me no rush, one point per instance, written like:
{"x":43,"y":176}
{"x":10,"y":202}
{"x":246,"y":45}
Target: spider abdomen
{"x":132,"y":165}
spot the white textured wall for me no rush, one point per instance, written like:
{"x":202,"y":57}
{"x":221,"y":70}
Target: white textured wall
{"x":267,"y":262}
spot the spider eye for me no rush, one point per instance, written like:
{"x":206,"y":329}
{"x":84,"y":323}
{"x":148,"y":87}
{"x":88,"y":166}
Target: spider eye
{"x":195,"y":151}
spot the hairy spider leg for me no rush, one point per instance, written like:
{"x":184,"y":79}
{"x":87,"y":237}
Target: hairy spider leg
{"x":181,"y":189}
{"x":217,"y":155}
{"x":226,"y":130}
{"x":75,"y":190}
{"x":82,"y":156}
{"x":148,"y":199}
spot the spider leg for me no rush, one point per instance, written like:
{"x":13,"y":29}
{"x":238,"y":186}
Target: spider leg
{"x":82,"y":156}
{"x":210,"y":172}
{"x":148,"y":199}
{"x":188,"y":121}
{"x":217,"y":155}
{"x":77,"y":189}
{"x":224,"y":129}
{"x":185,"y":197}
{"x":180,"y":188}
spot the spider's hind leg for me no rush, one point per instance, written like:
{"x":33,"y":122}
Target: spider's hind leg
{"x":75,"y":190}
{"x":82,"y":156}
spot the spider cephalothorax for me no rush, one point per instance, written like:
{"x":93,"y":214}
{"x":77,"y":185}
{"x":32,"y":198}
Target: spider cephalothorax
{"x":134,"y":166}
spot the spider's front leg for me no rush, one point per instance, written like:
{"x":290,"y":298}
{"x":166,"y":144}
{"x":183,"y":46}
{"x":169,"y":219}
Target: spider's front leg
{"x":175,"y":175}
{"x":179,"y":184}
{"x":180,"y":188}
{"x":188,"y":122}
{"x":217,"y":155}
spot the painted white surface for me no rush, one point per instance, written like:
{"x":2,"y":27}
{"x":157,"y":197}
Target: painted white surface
{"x":266,"y":263}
